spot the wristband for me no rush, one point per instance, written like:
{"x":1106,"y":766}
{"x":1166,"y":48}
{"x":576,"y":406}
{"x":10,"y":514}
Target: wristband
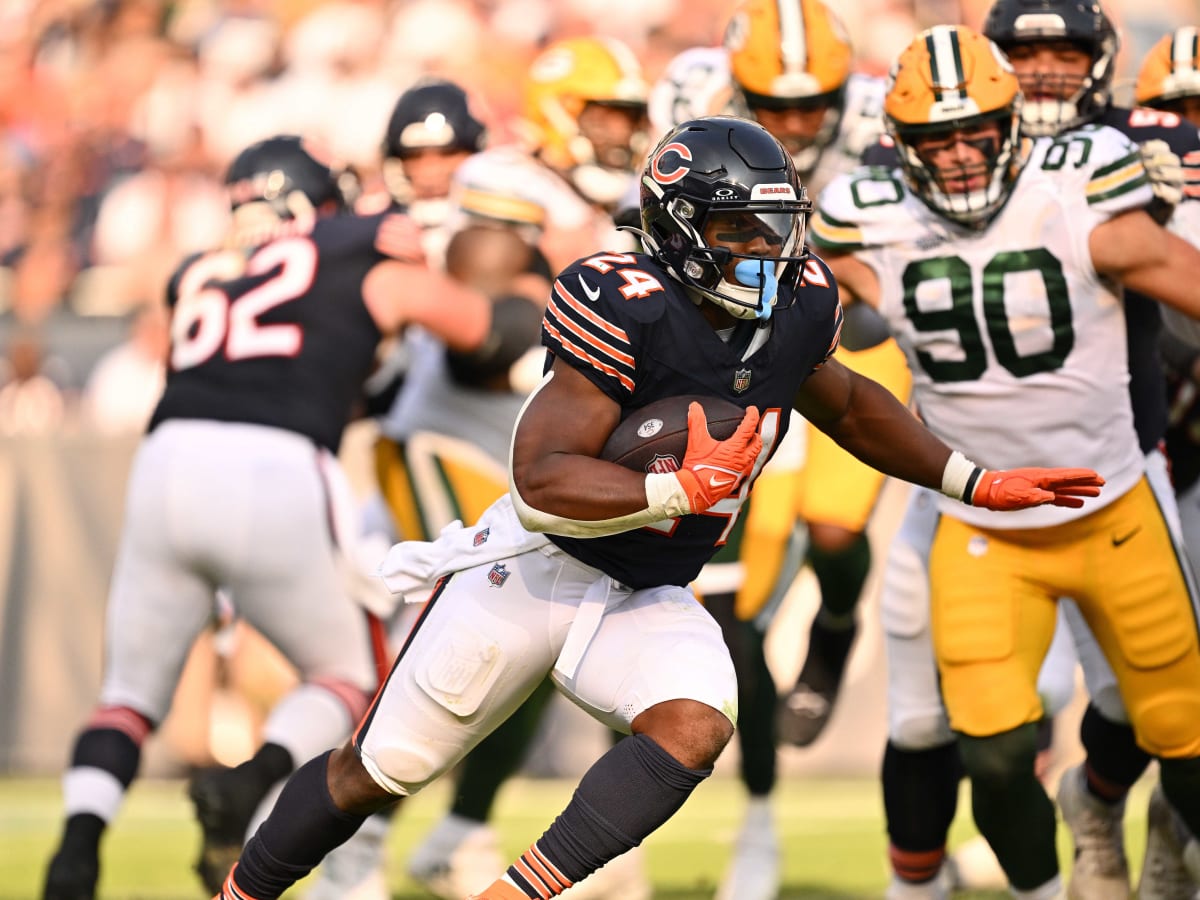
{"x":664,"y":491}
{"x":960,"y":477}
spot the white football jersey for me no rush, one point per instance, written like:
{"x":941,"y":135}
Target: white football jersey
{"x":1016,"y":344}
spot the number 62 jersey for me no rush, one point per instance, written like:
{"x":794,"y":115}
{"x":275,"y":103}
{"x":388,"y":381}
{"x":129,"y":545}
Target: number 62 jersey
{"x":278,"y":335}
{"x":1016,"y":344}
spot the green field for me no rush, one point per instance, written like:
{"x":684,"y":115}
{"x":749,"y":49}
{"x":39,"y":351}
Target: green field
{"x":832,"y":832}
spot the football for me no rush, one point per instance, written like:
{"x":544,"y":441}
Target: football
{"x":654,"y":438}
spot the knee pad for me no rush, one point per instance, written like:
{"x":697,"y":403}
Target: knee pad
{"x":1169,"y":726}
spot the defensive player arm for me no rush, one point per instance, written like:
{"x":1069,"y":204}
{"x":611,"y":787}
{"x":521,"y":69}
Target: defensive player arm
{"x":560,"y":486}
{"x":398,"y":293}
{"x":1143,"y":256}
{"x":865,"y":419}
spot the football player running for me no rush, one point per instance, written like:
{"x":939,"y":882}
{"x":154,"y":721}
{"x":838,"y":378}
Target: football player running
{"x":585,"y":106}
{"x":1063,"y":54}
{"x":788,"y":64}
{"x":580,"y":572}
{"x":236,"y":484}
{"x":992,"y":260}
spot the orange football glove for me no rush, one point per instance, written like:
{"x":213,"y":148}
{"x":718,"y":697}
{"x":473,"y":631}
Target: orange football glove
{"x":712,"y":469}
{"x":1021,"y":488}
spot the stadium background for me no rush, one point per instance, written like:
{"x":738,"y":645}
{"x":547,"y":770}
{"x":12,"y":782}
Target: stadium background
{"x":117,"y":118}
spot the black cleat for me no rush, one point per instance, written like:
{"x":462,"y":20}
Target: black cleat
{"x":71,"y":877}
{"x":806,"y":709}
{"x":224,"y":807}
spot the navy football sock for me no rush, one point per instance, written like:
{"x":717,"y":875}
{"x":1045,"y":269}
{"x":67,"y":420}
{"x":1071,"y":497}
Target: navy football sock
{"x":630,"y":791}
{"x":303,"y":826}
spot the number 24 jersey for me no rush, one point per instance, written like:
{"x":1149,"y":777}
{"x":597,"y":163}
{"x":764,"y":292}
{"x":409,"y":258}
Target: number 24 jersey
{"x":635,"y":333}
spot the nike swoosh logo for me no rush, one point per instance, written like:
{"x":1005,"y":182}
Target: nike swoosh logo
{"x":719,"y":483}
{"x":593,"y":294}
{"x":1118,"y":541}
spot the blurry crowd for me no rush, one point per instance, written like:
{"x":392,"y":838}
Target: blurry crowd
{"x":118,"y":117}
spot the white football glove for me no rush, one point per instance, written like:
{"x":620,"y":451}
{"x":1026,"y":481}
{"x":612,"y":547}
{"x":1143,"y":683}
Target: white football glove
{"x":1165,"y":171}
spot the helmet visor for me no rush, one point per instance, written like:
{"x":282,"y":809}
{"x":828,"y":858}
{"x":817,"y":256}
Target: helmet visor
{"x":776,"y":231}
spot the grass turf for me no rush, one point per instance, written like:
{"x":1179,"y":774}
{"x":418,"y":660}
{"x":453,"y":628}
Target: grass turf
{"x":831,"y":830}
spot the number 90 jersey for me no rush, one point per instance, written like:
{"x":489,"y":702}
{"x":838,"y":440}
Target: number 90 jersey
{"x":279,"y":335}
{"x":635,"y":333}
{"x":1016,"y":344}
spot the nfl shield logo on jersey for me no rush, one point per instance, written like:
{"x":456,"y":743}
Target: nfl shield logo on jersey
{"x":498,"y":575}
{"x":662,"y":463}
{"x":480,"y":537}
{"x":741,"y":380}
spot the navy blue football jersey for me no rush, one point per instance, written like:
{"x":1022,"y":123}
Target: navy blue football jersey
{"x":634,"y":332}
{"x":1143,"y":318}
{"x":279,"y":335}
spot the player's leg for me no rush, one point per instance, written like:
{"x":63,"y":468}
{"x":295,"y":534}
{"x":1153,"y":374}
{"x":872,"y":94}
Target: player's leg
{"x":754,"y":872}
{"x":1150,"y":640}
{"x":427,"y":482}
{"x":296,"y":591}
{"x":461,"y":854}
{"x":836,"y":497}
{"x":156,"y":609}
{"x":657,"y":666}
{"x":480,"y":647}
{"x":982,"y":586}
{"x":921,"y":769}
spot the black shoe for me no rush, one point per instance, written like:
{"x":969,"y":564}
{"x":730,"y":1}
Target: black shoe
{"x":71,"y":877}
{"x":224,"y":807}
{"x":805,"y":710}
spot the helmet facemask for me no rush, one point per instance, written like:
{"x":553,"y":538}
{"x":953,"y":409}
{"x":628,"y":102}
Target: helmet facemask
{"x":744,"y":284}
{"x":805,"y":150}
{"x":1056,"y":102}
{"x":970,"y":194}
{"x":953,"y":108}
{"x":604,"y":167}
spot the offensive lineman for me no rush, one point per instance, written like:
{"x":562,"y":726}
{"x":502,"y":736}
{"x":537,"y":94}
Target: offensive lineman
{"x":237,"y":485}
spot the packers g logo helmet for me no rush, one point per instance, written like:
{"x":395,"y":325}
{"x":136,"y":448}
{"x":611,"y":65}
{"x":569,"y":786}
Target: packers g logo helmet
{"x":781,"y":51}
{"x":791,"y":54}
{"x":951,"y":78}
{"x":1171,"y":70}
{"x":561,"y":82}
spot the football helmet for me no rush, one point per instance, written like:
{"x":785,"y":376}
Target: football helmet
{"x":1171,"y":70}
{"x":283,"y":173}
{"x":787,"y":54}
{"x":562,"y":82}
{"x":1011,"y":23}
{"x":951,"y":80}
{"x":433,"y":113}
{"x":722,"y":166}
